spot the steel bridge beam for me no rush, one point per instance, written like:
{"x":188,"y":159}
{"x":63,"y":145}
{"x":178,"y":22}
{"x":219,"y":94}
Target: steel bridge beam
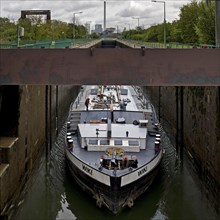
{"x":153,"y":67}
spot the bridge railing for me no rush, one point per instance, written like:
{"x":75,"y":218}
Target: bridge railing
{"x":175,"y":45}
{"x":66,"y":43}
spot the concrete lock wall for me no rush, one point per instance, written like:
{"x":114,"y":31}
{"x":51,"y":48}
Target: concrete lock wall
{"x":30,"y":137}
{"x":201,"y":126}
{"x":61,"y":97}
{"x":20,"y":151}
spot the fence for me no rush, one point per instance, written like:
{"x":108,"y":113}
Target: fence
{"x":168,"y":44}
{"x":67,"y":43}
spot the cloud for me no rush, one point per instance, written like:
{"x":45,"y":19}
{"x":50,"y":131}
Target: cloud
{"x":133,"y":9}
{"x":118,"y":12}
{"x":178,"y":4}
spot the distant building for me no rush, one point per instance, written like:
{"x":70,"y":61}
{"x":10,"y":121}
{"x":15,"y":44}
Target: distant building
{"x":98,"y":29}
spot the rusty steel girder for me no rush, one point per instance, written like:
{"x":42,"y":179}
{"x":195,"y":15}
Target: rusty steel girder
{"x":127,"y":66}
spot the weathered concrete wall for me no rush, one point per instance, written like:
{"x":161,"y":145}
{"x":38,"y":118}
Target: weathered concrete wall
{"x":201,"y":126}
{"x":202,"y":130}
{"x":61,"y":97}
{"x":30,"y":129}
{"x":9,"y":149}
{"x":18,"y":154}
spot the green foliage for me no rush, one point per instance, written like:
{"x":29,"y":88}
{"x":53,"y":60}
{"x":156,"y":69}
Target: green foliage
{"x":151,"y":34}
{"x":94,"y":36}
{"x":205,"y":27}
{"x":196,"y":24}
{"x":187,"y":22}
{"x":175,"y":32}
{"x":80,"y":31}
{"x":160,"y":32}
{"x":35,"y":29}
{"x":7,"y":30}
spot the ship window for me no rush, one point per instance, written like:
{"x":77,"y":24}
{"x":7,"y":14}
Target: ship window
{"x":133,"y":143}
{"x":93,"y":142}
{"x":104,"y":142}
{"x":124,"y":92}
{"x":118,"y":142}
{"x":94,"y":91}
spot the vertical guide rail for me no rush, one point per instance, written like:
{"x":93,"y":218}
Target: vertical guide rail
{"x":159,"y":103}
{"x":46,"y":119}
{"x":57,"y":99}
{"x":50,"y":116}
{"x":177,"y":119}
{"x":181,"y":123}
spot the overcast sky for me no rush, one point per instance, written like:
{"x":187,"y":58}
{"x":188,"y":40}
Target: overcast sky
{"x":118,"y":12}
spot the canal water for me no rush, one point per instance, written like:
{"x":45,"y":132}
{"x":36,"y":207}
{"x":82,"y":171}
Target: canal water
{"x":51,"y":193}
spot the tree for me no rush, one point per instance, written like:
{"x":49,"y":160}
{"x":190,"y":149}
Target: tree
{"x":81,"y":31}
{"x":94,"y":36}
{"x":151,"y":34}
{"x":205,"y":27}
{"x":36,"y":29}
{"x":59,"y":29}
{"x":160,"y":33}
{"x":28,"y":29}
{"x":175,"y":32}
{"x":7,"y":30}
{"x":188,"y":19}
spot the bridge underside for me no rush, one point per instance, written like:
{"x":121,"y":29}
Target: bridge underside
{"x":127,"y":66}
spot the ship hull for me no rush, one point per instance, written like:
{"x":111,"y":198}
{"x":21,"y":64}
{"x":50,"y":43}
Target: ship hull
{"x":113,"y":197}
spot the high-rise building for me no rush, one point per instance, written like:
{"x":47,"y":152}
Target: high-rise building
{"x":98,"y":28}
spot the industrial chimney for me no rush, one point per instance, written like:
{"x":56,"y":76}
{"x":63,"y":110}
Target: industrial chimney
{"x":104,"y":15}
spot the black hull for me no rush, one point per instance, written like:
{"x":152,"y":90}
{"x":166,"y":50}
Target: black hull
{"x":113,"y":197}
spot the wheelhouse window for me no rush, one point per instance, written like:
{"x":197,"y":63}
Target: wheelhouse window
{"x":133,"y":143}
{"x":93,"y":142}
{"x":104,"y":142}
{"x":118,"y":142}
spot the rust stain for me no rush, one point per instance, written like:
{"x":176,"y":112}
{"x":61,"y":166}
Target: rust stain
{"x":153,"y":67}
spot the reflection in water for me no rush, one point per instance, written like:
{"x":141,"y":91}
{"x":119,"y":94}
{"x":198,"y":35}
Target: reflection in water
{"x":52,"y":193}
{"x":65,"y":212}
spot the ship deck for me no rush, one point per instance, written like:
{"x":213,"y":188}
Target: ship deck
{"x":78,"y":114}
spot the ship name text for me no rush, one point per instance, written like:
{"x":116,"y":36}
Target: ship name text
{"x":142,"y":171}
{"x":87,"y":169}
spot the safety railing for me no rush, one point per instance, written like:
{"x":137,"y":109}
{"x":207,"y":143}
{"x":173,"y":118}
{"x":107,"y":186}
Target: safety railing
{"x":67,"y":43}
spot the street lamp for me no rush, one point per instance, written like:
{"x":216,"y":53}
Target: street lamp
{"x":164,"y":21}
{"x":74,"y":22}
